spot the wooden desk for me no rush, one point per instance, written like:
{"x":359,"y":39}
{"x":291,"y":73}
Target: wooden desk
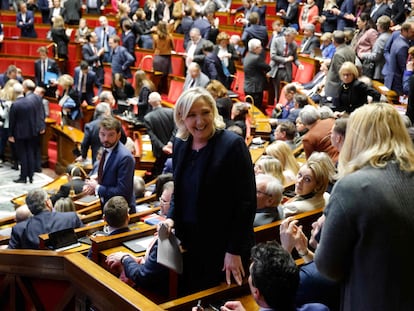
{"x":256,"y":151}
{"x":68,"y":138}
{"x":62,"y":281}
{"x":51,"y":188}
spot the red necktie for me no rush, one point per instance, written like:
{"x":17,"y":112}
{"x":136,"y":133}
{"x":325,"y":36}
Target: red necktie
{"x":286,"y":49}
{"x":101,"y":166}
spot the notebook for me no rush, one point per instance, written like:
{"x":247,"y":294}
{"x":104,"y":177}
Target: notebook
{"x":138,"y":245}
{"x":63,"y":240}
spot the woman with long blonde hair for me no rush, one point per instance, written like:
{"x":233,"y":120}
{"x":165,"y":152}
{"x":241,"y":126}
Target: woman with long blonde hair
{"x":369,"y":223}
{"x":281,"y":151}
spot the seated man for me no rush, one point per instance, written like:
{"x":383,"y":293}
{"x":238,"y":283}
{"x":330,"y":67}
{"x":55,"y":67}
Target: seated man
{"x":195,"y":77}
{"x":75,"y":183}
{"x":25,"y":234}
{"x":273,"y":280}
{"x":286,"y":131}
{"x":269,"y":194}
{"x":145,"y":271}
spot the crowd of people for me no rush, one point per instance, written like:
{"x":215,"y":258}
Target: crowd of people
{"x":358,"y":156}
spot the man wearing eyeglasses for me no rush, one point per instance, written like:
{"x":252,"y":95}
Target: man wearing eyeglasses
{"x":269,"y":194}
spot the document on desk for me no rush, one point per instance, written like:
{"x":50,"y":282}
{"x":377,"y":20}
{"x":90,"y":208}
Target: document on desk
{"x":169,"y":253}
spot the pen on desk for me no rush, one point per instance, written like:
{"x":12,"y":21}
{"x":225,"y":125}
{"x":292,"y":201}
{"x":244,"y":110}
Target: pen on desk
{"x":199,"y":308}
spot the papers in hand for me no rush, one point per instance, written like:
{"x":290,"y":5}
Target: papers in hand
{"x":169,"y":253}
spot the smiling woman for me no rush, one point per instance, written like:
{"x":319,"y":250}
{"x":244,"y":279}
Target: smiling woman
{"x":209,"y":163}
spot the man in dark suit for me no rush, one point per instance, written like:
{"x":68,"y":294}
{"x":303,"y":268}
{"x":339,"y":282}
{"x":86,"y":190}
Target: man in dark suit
{"x":212,"y":66}
{"x":42,"y":67}
{"x":11,"y":73}
{"x":143,"y":271}
{"x":103,"y":33}
{"x":75,"y":183}
{"x":128,"y":37}
{"x":93,"y":7}
{"x":310,"y":41}
{"x":161,"y":128}
{"x":116,"y":167}
{"x":56,"y":10}
{"x":185,"y":26}
{"x":84,"y":82}
{"x":254,"y":30}
{"x":380,"y":8}
{"x":91,"y":130}
{"x":25,"y":21}
{"x":256,"y":67}
{"x":25,"y":234}
{"x":27,"y":122}
{"x":94,"y":57}
{"x":121,"y":59}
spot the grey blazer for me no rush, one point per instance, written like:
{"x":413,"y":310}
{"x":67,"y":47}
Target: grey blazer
{"x":277,"y":57}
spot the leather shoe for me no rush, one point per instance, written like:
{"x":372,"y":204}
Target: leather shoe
{"x":31,"y":180}
{"x":38,"y":170}
{"x":15,"y":166}
{"x":20,"y":181}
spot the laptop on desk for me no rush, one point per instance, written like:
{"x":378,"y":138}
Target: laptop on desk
{"x":63,"y":240}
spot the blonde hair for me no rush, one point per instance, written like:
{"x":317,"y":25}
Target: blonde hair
{"x":7,"y":92}
{"x":323,"y":170}
{"x":271,"y":166}
{"x":58,"y":22}
{"x":281,"y":151}
{"x":375,"y":135}
{"x":350,"y":67}
{"x":64,"y":205}
{"x":183,"y":107}
{"x":65,"y":80}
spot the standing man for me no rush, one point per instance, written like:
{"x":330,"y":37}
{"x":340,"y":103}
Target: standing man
{"x":94,"y":57}
{"x":161,"y":128}
{"x":116,"y":167}
{"x":43,"y":66}
{"x":91,"y":138}
{"x":194,"y":50}
{"x":121,"y":59}
{"x":103,"y":33}
{"x":26,"y":124}
{"x":342,"y":54}
{"x":256,"y":67}
{"x":395,"y":62}
{"x":25,"y":21}
{"x":84,"y":82}
{"x":283,"y":52}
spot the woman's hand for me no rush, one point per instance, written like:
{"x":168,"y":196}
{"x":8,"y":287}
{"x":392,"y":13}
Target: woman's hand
{"x":233,"y":265}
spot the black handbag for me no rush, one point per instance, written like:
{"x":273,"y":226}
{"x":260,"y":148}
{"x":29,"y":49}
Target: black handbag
{"x":368,"y":68}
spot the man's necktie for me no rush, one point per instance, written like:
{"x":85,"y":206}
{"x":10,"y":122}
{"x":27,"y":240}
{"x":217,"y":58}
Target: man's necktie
{"x":101,"y":166}
{"x":43,"y":71}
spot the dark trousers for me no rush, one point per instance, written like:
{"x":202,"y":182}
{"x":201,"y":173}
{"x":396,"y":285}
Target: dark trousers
{"x":258,"y":99}
{"x":26,"y":152}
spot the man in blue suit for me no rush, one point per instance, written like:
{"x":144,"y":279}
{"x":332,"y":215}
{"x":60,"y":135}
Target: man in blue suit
{"x":25,"y":21}
{"x":116,"y":168}
{"x":25,"y":234}
{"x":397,"y":58}
{"x":121,"y":59}
{"x":84,"y":82}
{"x":27,"y":122}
